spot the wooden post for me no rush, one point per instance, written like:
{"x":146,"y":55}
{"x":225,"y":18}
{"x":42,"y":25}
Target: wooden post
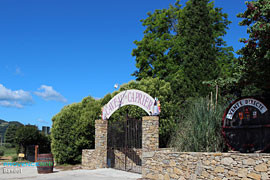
{"x":36,"y":152}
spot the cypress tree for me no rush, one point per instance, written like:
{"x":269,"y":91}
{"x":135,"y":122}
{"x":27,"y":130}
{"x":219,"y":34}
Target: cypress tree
{"x":197,"y":48}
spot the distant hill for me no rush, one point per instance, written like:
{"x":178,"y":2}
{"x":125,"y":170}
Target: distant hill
{"x":1,"y":120}
{"x":4,"y":125}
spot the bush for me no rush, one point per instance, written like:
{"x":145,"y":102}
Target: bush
{"x":200,"y":129}
{"x":14,"y":158}
{"x":8,"y":145}
{"x":2,"y":152}
{"x":73,"y":129}
{"x":29,"y":135}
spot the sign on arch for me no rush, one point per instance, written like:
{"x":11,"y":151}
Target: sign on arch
{"x":131,"y":97}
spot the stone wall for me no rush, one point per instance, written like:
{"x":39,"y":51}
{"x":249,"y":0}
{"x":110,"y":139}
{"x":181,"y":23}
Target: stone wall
{"x":97,"y":158}
{"x":101,"y":127}
{"x":219,"y":166}
{"x":150,"y":133}
{"x":88,"y":156}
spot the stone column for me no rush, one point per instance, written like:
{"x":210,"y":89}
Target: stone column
{"x":150,"y":140}
{"x":150,"y":133}
{"x":101,"y":127}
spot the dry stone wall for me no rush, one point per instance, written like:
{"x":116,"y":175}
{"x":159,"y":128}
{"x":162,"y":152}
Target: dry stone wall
{"x":97,"y":158}
{"x":217,"y":166}
{"x":150,"y":133}
{"x":88,"y":156}
{"x":169,"y":165}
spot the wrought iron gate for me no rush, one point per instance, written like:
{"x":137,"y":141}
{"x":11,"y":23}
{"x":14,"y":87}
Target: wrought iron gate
{"x":125,"y":145}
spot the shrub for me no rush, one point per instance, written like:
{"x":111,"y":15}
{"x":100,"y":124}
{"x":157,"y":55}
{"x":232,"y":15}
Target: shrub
{"x":8,"y":145}
{"x":14,"y":158}
{"x":2,"y":152}
{"x":200,"y":129}
{"x":73,"y":129}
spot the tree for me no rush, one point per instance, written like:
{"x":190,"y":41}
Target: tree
{"x":73,"y":129}
{"x":26,"y":135}
{"x":30,"y":135}
{"x":184,"y":47}
{"x":152,"y":52}
{"x":255,"y":55}
{"x":10,"y":134}
{"x":200,"y":30}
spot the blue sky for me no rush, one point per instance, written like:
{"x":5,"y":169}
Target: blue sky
{"x":56,"y":52}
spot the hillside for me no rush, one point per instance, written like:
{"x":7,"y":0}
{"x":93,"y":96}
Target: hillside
{"x":4,"y":125}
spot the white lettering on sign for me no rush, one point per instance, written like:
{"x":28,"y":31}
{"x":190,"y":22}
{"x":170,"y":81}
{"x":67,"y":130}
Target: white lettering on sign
{"x":129,"y":97}
{"x":246,"y":102}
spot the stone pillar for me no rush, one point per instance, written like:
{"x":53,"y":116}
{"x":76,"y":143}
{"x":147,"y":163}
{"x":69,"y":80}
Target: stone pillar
{"x":150,"y":139}
{"x":101,"y":127}
{"x":150,"y":133}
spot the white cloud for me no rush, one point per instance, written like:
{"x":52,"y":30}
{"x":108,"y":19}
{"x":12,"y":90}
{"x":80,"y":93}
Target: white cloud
{"x":50,"y":94}
{"x":10,"y":104}
{"x":17,"y":98}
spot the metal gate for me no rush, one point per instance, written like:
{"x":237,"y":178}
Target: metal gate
{"x":125,"y":145}
{"x":30,"y":153}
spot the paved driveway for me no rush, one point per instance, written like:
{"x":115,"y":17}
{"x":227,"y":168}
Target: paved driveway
{"x":98,"y":174}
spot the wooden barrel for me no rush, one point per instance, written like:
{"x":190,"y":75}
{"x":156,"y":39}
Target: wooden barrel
{"x":246,"y":126}
{"x":45,"y":163}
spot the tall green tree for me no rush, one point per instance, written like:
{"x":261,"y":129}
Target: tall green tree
{"x":30,"y":135}
{"x":255,"y":55}
{"x":10,"y":134}
{"x":152,"y":52}
{"x":200,"y":45}
{"x":185,"y":47}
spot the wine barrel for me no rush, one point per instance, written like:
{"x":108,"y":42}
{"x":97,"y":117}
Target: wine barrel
{"x":45,"y":163}
{"x":246,"y":126}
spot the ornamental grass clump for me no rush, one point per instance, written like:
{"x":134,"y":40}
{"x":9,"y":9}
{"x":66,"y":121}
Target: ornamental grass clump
{"x":200,"y":128}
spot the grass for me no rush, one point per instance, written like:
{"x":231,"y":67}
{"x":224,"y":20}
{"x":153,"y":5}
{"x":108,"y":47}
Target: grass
{"x":10,"y":152}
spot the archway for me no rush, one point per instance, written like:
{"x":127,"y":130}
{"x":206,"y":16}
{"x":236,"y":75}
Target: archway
{"x":124,"y":138}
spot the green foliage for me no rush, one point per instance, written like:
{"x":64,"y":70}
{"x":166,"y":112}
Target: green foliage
{"x":26,"y":135}
{"x":152,"y":52}
{"x":255,"y":55}
{"x":185,"y":47}
{"x":10,"y":134}
{"x":73,"y":129}
{"x":200,"y":128}
{"x":10,"y":152}
{"x":44,"y":143}
{"x":196,"y":46}
{"x":3,"y":127}
{"x":8,"y":145}
{"x":2,"y":152}
{"x":14,"y":158}
{"x":29,"y":135}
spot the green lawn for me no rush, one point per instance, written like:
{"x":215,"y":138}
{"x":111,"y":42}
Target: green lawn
{"x":10,"y":152}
